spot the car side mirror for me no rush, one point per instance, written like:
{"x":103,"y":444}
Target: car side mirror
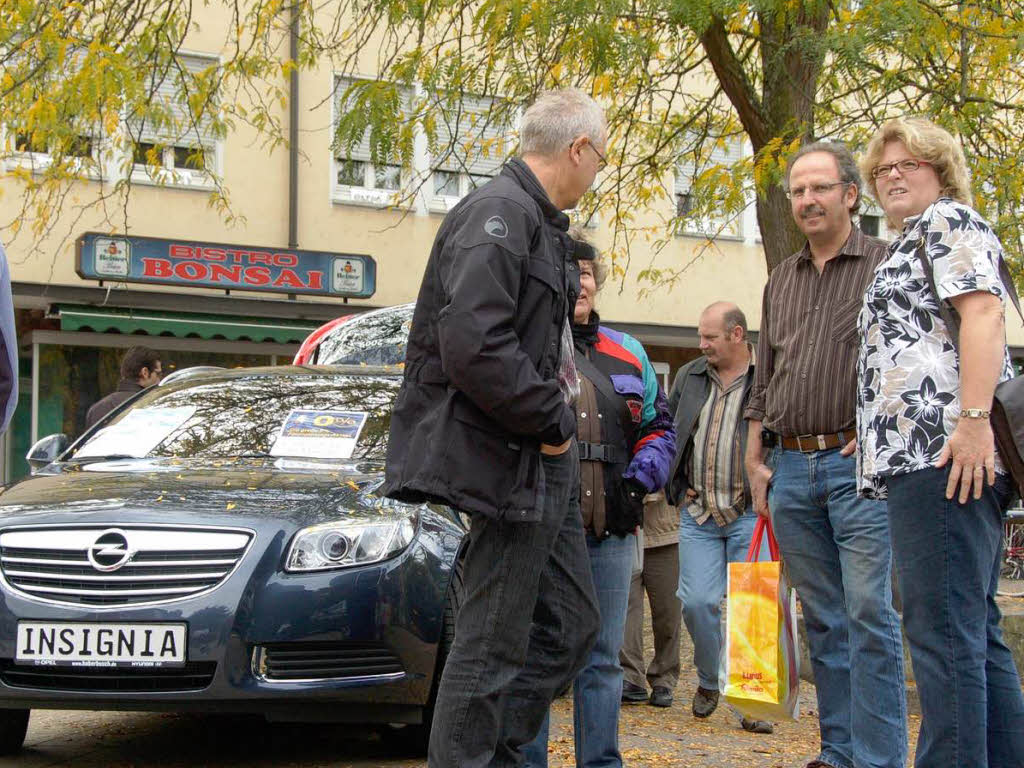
{"x":46,"y":451}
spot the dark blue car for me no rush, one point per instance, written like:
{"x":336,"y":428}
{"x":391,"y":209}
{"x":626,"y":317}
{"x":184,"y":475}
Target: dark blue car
{"x":217,"y":544}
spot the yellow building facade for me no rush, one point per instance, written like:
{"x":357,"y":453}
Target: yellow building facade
{"x":74,"y":328}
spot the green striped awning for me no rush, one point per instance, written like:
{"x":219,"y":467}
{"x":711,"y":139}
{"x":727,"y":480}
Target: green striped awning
{"x":182,"y":324}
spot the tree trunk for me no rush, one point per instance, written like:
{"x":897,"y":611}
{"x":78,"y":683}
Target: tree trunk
{"x":791,"y":61}
{"x":779,"y":233}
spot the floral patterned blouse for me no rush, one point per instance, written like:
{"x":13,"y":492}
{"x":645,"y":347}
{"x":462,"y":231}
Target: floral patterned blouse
{"x":908,"y":371}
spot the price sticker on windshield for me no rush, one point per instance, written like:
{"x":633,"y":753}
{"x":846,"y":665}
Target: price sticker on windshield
{"x":319,"y":434}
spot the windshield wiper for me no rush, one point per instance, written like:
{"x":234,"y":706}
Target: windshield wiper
{"x":108,"y":457}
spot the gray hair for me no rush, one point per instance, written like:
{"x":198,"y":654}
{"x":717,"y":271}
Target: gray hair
{"x":734,"y":318}
{"x":848,"y":171}
{"x":557,"y":118}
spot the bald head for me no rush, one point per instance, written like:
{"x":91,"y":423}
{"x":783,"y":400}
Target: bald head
{"x":723,"y":334}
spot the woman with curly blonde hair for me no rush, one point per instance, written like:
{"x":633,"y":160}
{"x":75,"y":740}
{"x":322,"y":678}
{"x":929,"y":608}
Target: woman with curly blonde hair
{"x":925,"y":442}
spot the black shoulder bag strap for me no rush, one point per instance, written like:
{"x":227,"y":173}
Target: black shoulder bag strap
{"x":600,"y":380}
{"x":948,"y":313}
{"x":1007,"y":417}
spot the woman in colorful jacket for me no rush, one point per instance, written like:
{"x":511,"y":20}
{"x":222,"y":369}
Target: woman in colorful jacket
{"x":626,"y":445}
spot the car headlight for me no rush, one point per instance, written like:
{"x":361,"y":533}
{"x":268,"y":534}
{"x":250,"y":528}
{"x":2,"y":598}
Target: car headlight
{"x":347,"y":543}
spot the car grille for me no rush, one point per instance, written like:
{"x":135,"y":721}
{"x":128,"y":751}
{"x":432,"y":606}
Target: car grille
{"x":83,"y":566}
{"x":193,"y":676}
{"x":319,"y":660}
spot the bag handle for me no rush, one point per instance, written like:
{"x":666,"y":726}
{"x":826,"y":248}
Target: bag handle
{"x":754,"y":551}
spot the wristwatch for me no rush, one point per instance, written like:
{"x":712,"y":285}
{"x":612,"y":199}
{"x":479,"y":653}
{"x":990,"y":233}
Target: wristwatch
{"x":974,"y":413}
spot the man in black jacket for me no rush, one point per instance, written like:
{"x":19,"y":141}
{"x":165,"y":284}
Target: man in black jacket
{"x":483,"y":422}
{"x":140,"y":368}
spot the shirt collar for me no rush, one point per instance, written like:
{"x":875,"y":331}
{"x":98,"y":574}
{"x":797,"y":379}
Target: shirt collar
{"x":856,"y":245}
{"x":912,"y":221}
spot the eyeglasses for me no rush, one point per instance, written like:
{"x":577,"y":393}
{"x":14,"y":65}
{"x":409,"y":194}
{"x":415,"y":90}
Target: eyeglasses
{"x":602,"y":160}
{"x":816,"y":189}
{"x":904,"y":166}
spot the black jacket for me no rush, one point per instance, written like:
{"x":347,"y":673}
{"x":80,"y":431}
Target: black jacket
{"x":125,"y":389}
{"x":480,"y":392}
{"x":690,"y":390}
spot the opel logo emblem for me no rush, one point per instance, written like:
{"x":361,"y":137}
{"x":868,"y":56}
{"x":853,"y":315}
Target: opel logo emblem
{"x":110,"y":551}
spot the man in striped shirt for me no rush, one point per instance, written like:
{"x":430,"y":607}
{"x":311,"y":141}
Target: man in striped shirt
{"x":707,"y":481}
{"x":835,"y":543}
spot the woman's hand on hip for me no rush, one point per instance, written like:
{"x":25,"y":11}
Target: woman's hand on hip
{"x":972,"y":449}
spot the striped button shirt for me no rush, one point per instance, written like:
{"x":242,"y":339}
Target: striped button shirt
{"x":716,"y":462}
{"x":806,"y":378}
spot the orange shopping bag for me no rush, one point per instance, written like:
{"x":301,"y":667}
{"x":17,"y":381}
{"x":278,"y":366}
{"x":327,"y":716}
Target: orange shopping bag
{"x":762,"y":673}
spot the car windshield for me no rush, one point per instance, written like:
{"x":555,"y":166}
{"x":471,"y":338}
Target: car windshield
{"x":340,"y":416}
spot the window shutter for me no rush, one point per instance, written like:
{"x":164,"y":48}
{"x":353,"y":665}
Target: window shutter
{"x":360,"y":150}
{"x":171,"y":91}
{"x":473,"y":137}
{"x":689,"y":168}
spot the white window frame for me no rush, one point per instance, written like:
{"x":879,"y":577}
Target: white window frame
{"x":685,"y":172}
{"x":38,"y":162}
{"x":168,"y":174}
{"x":368,"y":193}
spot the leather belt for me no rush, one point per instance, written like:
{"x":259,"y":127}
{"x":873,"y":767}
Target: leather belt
{"x":809,"y":443}
{"x":597,"y":452}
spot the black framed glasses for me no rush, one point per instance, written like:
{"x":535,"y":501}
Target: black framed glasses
{"x":602,"y":160}
{"x":816,"y":189}
{"x":903,"y":166}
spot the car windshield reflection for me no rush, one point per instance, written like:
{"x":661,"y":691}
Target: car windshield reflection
{"x":243,"y":416}
{"x":376,"y":338}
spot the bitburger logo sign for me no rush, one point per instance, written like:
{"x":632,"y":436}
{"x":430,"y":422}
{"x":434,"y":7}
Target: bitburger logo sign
{"x":123,"y":259}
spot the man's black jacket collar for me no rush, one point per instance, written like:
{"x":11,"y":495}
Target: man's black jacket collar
{"x":521,"y":172}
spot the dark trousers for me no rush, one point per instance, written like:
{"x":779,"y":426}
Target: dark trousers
{"x":528,"y":620}
{"x":660,"y":577}
{"x":947,"y":560}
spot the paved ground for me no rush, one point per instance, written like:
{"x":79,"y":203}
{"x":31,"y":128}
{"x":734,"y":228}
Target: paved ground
{"x":650,"y":738}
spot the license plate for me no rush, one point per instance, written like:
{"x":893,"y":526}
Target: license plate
{"x":100,"y":644}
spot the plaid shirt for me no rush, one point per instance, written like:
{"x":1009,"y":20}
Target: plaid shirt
{"x":716,"y":462}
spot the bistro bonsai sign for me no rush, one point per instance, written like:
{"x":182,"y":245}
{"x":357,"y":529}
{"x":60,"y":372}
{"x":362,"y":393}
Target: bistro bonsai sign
{"x":231,"y":267}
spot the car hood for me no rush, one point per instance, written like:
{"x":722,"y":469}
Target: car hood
{"x":306,"y":493}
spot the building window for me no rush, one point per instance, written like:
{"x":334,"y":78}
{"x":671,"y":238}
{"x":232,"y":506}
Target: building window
{"x":175,"y":148}
{"x":357,"y":179}
{"x":697,"y":168}
{"x":470,"y":146}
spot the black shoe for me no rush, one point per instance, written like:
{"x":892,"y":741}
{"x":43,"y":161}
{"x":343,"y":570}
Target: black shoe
{"x":756,"y":726}
{"x":661,"y":696}
{"x":704,"y":702}
{"x":633,"y":694}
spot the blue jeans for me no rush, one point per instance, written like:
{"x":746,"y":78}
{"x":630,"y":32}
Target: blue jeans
{"x":836,"y":548}
{"x":947,"y":559}
{"x":704,"y":553}
{"x":597,"y":690}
